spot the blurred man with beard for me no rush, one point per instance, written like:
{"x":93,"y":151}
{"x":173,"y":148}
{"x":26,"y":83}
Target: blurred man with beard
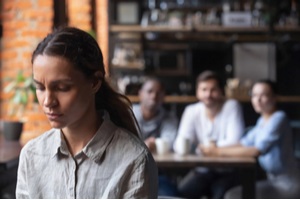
{"x":214,"y":121}
{"x":155,"y":122}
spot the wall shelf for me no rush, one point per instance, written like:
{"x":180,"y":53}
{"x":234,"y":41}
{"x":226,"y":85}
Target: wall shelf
{"x":200,"y":46}
{"x":202,"y":28}
{"x":224,"y":29}
{"x":193,"y":99}
{"x":286,"y":29}
{"x":138,"y":28}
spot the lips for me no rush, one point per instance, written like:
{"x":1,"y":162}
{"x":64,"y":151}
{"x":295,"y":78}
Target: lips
{"x":53,"y":116}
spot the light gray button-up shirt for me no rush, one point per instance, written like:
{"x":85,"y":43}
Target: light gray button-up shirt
{"x":114,"y":164}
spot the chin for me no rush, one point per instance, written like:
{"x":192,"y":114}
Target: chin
{"x":258,"y":110}
{"x":210,"y":104}
{"x":56,"y":125}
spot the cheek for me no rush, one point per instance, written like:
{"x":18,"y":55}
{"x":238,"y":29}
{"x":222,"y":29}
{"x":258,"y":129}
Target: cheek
{"x":254,"y":102}
{"x":40,"y":97}
{"x":199,"y":94}
{"x":80,"y":100}
{"x":73,"y":100}
{"x":216,"y":94}
{"x":268,"y":103}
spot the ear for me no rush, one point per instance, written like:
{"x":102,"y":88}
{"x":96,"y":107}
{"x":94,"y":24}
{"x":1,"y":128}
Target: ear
{"x":140,"y":92}
{"x":97,"y":81}
{"x":198,"y":93}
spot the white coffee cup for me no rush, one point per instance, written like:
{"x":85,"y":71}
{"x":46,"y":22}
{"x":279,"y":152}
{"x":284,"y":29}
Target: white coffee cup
{"x":162,"y":146}
{"x":209,"y":142}
{"x":184,"y":146}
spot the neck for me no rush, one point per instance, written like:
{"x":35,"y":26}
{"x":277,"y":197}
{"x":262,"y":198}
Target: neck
{"x":211,"y":112}
{"x":268,"y":114}
{"x":148,"y":113}
{"x":78,"y":136}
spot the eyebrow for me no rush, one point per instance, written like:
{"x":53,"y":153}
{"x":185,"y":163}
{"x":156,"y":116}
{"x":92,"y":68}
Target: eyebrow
{"x":54,"y":82}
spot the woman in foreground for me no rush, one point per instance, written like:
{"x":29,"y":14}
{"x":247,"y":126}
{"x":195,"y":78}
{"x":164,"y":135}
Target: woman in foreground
{"x":93,"y":149}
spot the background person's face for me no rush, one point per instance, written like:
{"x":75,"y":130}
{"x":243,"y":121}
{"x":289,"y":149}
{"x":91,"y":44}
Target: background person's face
{"x":209,"y":92}
{"x":151,"y":95}
{"x":64,"y":93}
{"x":262,"y":98}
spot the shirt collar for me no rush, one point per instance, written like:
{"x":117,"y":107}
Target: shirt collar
{"x":159,"y":117}
{"x":99,"y":143}
{"x":95,"y":147}
{"x":59,"y":143}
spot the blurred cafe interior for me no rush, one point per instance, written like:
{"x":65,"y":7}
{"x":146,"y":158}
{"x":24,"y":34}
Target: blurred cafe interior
{"x":174,"y":40}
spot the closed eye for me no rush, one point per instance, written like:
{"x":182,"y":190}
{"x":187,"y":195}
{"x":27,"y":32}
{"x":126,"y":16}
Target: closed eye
{"x":38,"y":86}
{"x":62,"y":88}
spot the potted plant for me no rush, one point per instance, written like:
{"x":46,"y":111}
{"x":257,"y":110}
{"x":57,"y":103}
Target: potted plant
{"x":22,"y":90}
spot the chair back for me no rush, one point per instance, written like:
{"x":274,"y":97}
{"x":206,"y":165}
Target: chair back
{"x":295,"y":125}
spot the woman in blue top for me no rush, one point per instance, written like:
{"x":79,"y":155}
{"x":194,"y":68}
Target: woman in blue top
{"x":271,"y":141}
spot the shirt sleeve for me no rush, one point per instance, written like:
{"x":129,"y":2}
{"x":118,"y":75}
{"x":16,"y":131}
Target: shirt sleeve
{"x":142,"y":183}
{"x":234,"y":125}
{"x":271,"y":133}
{"x":248,"y":139}
{"x":22,"y":189}
{"x":186,"y":127}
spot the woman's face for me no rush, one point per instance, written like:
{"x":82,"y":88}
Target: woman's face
{"x":263,"y":99}
{"x":65,"y":94}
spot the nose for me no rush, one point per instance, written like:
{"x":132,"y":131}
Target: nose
{"x":152,"y":95}
{"x":259,"y":98}
{"x":156,"y":96}
{"x":50,"y":100}
{"x":208,"y":93}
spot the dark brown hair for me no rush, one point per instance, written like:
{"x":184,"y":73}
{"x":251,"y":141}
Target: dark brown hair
{"x":153,"y":79}
{"x":83,"y":51}
{"x":210,"y":75}
{"x":271,"y":84}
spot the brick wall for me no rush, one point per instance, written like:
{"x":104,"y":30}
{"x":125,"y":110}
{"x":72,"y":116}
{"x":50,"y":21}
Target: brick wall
{"x":25,"y":23}
{"x":102,"y":29}
{"x":79,"y":14}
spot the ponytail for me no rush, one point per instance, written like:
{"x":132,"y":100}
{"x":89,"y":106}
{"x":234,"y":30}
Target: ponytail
{"x":118,"y":107}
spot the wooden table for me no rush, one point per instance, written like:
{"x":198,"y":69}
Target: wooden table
{"x":9,"y":153}
{"x":245,"y":165}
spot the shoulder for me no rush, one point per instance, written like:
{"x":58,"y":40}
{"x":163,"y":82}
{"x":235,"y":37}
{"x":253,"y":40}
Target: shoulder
{"x":136,"y":109}
{"x":194,"y":107}
{"x":43,"y":144}
{"x":231,"y":106}
{"x":279,"y":117}
{"x":192,"y":111}
{"x":231,"y":103}
{"x":126,"y":142}
{"x":133,"y":149}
